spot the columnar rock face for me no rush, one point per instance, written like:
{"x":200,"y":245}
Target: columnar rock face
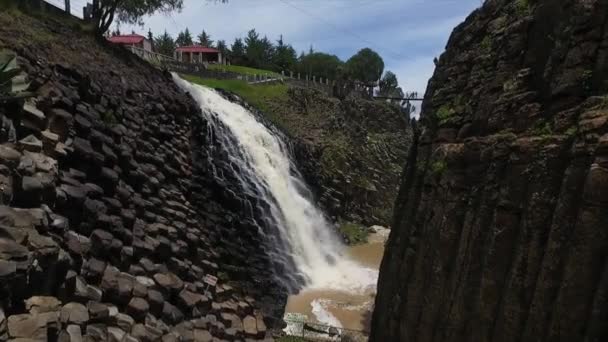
{"x":501,"y":223}
{"x":104,"y":233}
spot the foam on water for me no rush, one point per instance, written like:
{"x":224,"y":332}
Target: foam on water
{"x":323,"y":315}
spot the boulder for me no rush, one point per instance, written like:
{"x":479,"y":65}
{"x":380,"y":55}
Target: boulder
{"x":9,"y":156}
{"x":74,"y":313}
{"x":189,"y":300}
{"x":171,"y":314}
{"x":202,"y":336}
{"x":96,"y":332}
{"x":145,"y":333}
{"x":98,"y":312}
{"x":72,"y":333}
{"x":250,"y":326}
{"x":32,"y":326}
{"x":3,"y":325}
{"x":115,"y":334}
{"x":124,"y":321}
{"x":138,"y":308}
{"x":41,"y":304}
{"x":30,"y":143}
{"x":101,"y":242}
{"x":169,"y":282}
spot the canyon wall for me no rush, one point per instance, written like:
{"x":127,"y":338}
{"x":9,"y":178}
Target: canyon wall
{"x":110,"y":221}
{"x":500,"y":227}
{"x":351,"y":151}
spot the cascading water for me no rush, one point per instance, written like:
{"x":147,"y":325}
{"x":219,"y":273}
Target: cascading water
{"x":262,"y":165}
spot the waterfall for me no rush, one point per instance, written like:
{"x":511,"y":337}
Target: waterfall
{"x":260,"y":161}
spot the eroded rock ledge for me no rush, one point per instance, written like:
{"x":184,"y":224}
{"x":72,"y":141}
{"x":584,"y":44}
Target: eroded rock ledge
{"x":500,"y":226}
{"x":105,"y":235}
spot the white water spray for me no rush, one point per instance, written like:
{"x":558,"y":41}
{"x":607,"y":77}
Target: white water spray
{"x":266,"y":168}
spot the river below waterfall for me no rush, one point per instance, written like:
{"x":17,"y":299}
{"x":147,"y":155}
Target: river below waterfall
{"x":349,"y":309}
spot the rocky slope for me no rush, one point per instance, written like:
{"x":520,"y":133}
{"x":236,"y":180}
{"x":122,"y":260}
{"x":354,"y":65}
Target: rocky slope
{"x":108,"y":225}
{"x":350,"y":151}
{"x":500,"y":224}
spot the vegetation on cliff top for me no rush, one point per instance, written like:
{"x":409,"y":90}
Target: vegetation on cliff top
{"x":257,"y":95}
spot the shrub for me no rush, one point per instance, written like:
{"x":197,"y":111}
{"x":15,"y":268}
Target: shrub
{"x":439,"y":167}
{"x":445,"y":112}
{"x":354,"y":233}
{"x":522,"y":7}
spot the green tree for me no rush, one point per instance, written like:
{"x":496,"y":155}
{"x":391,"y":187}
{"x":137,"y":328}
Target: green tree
{"x":164,"y":44}
{"x":268,"y":52}
{"x":285,"y":57}
{"x":319,"y":64}
{"x":204,"y":39}
{"x":130,"y":11}
{"x":184,"y":38}
{"x":254,"y":50}
{"x":238,"y":52}
{"x":389,"y":85}
{"x":366,"y":66}
{"x":221,"y":45}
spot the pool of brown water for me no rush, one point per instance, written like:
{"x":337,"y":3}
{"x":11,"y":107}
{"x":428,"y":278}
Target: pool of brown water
{"x":344,"y":309}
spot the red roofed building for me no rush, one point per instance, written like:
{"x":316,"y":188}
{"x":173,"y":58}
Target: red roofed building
{"x":198,"y":54}
{"x":134,"y":40}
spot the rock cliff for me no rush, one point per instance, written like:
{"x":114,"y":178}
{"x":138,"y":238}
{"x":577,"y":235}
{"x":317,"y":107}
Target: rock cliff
{"x":500,"y":224}
{"x":109,"y":223}
{"x":350,"y":151}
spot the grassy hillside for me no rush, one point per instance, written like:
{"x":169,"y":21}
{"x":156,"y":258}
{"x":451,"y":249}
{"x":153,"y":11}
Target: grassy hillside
{"x":243,"y":70}
{"x":258,"y":96}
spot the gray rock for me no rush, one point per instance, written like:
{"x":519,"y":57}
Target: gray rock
{"x":30,"y":143}
{"x":146,"y":333}
{"x":250,"y":326}
{"x":9,"y":156}
{"x":74,"y":313}
{"x":202,"y":336}
{"x":115,"y":334}
{"x":98,"y":312}
{"x":138,"y":308}
{"x":72,"y":333}
{"x":98,"y":332}
{"x":169,"y":282}
{"x":3,"y":326}
{"x":125,"y":322}
{"x":32,"y":326}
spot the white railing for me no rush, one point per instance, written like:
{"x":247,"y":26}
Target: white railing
{"x":150,"y":56}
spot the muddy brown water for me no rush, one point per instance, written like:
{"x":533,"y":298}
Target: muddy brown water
{"x":350,"y":310}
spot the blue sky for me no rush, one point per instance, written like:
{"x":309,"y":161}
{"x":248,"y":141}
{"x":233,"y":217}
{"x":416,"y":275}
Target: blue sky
{"x":408,"y":34}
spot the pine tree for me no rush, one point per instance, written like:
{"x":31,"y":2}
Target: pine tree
{"x":164,"y":44}
{"x":237,"y":53}
{"x":184,"y":38}
{"x":204,"y":39}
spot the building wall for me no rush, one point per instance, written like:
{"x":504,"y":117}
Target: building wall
{"x":147,"y":45}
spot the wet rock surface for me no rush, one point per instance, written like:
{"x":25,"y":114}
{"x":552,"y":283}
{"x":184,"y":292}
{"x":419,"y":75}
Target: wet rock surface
{"x":500,"y":224}
{"x":108,"y":228}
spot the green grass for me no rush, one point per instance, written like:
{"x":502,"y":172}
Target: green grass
{"x":243,"y":70}
{"x":354,"y":233}
{"x":256,"y":95}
